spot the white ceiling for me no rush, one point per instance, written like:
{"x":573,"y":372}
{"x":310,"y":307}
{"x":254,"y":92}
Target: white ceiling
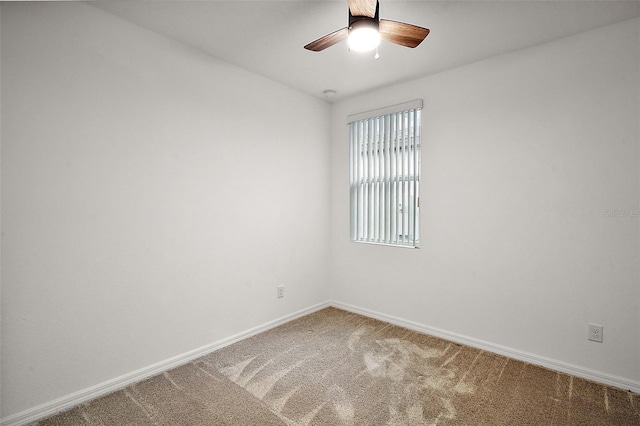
{"x":267,"y":37}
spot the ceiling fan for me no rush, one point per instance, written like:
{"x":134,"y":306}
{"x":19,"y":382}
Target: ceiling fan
{"x":366,"y":29}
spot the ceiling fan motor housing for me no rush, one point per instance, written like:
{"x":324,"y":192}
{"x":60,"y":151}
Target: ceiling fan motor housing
{"x":356,"y":22}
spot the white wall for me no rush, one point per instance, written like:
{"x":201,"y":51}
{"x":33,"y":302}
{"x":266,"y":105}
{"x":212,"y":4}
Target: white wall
{"x":151,"y":202}
{"x":523,"y":155}
{"x":153,"y":197}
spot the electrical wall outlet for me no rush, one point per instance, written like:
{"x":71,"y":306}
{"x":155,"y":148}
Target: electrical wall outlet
{"x":595,"y":333}
{"x":280,"y":291}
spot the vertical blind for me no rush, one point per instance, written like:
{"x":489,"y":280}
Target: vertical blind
{"x":385,"y":175}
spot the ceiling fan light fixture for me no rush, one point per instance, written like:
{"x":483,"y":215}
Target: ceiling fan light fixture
{"x":366,"y":29}
{"x":363,"y":36}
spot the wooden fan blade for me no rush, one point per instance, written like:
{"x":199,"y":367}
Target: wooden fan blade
{"x":328,"y":40}
{"x":403,"y":34}
{"x":363,"y":7}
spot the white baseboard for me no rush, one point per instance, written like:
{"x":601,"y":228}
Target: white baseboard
{"x":77,"y":398}
{"x":574,"y":370}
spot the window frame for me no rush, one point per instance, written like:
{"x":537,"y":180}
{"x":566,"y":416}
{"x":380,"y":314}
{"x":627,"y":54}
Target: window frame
{"x":384,"y":175}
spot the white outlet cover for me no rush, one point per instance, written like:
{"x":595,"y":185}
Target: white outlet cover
{"x":595,"y":333}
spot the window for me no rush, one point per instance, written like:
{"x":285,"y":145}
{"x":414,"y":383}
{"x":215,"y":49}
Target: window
{"x":385,"y":175}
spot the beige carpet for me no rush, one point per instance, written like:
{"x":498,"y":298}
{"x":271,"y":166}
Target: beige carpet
{"x":338,"y":368}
